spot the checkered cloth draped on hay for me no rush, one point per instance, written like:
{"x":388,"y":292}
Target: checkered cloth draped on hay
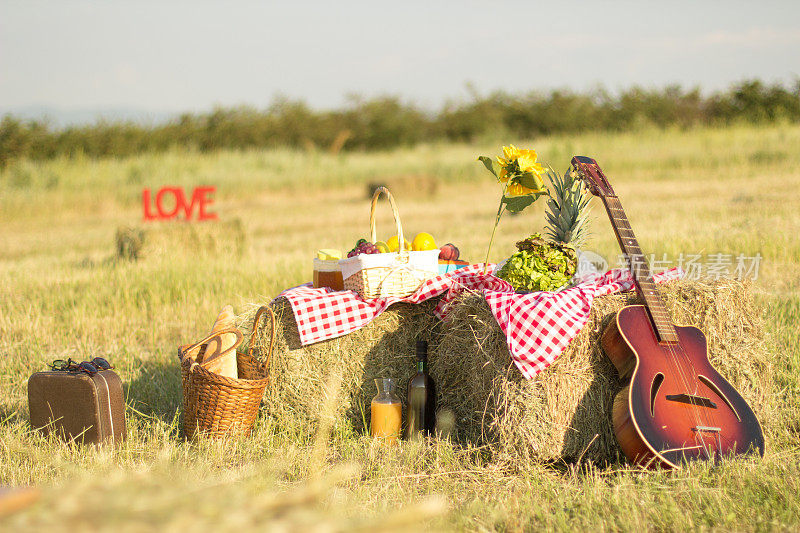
{"x":538,"y":326}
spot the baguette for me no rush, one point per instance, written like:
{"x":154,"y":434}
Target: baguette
{"x":215,"y":359}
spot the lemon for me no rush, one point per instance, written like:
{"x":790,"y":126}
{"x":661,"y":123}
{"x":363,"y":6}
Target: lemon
{"x":392,"y":243}
{"x":423,"y":241}
{"x":382,"y":247}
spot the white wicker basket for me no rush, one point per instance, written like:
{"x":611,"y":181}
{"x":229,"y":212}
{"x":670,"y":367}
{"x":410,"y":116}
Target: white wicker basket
{"x":389,"y":274}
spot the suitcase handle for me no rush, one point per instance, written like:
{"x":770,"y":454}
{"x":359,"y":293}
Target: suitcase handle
{"x":261,"y":311}
{"x":239,"y":338}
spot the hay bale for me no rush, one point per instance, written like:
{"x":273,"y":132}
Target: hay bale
{"x":383,"y":348}
{"x":168,"y":239}
{"x":564,"y":413}
{"x":406,"y":185}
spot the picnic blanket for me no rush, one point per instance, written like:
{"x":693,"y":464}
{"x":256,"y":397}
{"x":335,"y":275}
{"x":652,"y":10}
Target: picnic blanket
{"x":538,"y":326}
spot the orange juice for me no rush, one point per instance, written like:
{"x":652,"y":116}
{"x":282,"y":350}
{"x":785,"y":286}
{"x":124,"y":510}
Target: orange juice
{"x":332,"y":279}
{"x":328,"y":273}
{"x":385,"y":420}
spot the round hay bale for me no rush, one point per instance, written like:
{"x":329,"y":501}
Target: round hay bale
{"x":383,"y":348}
{"x":565,"y":412}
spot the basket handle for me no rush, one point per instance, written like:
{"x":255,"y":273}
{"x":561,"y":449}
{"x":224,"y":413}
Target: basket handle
{"x":401,"y":249}
{"x":261,"y":311}
{"x":239,"y":338}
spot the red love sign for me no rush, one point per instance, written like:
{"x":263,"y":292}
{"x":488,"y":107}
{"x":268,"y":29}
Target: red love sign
{"x":201,"y":198}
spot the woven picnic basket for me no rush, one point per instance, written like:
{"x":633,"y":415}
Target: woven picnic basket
{"x":388,"y":274}
{"x":219,"y":406}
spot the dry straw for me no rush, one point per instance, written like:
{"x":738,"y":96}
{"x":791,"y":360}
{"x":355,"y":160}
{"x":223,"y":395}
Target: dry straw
{"x":562,"y":414}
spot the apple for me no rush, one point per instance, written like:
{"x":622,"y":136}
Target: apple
{"x":449,"y":252}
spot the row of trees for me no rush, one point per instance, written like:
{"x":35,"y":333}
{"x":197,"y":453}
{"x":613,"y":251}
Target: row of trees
{"x":387,"y":122}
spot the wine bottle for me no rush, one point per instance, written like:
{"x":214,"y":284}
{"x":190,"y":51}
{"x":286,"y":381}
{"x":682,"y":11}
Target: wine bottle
{"x":421,"y":413}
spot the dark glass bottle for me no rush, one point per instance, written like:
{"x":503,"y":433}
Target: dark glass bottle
{"x":421,"y":412}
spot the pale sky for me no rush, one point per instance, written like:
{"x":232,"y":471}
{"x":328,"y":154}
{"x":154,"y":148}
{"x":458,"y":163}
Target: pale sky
{"x":189,"y":56}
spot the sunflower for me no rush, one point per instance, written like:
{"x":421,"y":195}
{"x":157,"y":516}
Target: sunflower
{"x":517,"y":162}
{"x":527,"y":163}
{"x":517,"y":189}
{"x":511,"y":154}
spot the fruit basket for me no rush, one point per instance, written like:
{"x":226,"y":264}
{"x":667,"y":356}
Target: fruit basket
{"x":388,"y":274}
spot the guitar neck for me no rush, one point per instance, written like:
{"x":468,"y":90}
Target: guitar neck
{"x":639,"y":268}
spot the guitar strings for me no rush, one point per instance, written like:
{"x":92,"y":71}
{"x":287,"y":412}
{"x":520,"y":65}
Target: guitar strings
{"x":711,"y":414}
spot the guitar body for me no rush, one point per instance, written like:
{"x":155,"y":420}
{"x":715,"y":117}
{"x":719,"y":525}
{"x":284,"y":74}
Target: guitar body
{"x":677,"y":407}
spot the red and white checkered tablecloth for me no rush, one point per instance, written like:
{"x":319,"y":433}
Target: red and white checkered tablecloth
{"x":538,"y":326}
{"x":322,"y":314}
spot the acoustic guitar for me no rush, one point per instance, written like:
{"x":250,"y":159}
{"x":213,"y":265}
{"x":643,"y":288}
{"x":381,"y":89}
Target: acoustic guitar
{"x":676,"y":407}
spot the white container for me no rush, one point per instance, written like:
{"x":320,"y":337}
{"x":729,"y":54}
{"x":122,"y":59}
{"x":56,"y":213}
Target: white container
{"x":425,"y":261}
{"x":389,"y":274}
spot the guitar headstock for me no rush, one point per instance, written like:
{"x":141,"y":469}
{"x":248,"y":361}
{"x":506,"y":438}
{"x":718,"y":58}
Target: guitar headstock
{"x":588,"y":169}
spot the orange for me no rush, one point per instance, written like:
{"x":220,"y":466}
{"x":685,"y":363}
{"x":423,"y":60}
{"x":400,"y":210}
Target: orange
{"x":423,"y":241}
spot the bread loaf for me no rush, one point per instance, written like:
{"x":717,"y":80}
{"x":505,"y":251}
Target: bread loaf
{"x":215,"y":357}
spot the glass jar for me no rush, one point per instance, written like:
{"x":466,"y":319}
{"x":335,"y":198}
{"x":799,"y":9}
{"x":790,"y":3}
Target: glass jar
{"x":328,"y":273}
{"x":386,"y":412}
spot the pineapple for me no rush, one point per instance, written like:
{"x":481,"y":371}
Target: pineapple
{"x":567,"y":209}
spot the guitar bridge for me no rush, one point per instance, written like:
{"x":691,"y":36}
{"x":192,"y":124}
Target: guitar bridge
{"x":692,"y":399}
{"x":706,"y":429}
{"x":715,"y":431}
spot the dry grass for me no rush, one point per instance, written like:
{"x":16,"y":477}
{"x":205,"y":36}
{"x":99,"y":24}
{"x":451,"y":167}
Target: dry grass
{"x":159,"y":241}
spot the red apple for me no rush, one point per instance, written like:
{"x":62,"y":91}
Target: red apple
{"x":449,"y":252}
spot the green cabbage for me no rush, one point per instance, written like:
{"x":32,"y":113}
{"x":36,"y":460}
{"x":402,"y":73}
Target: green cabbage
{"x":540,"y":265}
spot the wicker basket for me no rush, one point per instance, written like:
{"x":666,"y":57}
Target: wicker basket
{"x":219,"y":406}
{"x":388,"y":274}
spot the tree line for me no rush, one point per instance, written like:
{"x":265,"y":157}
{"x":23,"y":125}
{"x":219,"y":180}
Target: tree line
{"x":387,"y":122}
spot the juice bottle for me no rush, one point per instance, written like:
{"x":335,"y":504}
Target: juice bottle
{"x":386,"y":412}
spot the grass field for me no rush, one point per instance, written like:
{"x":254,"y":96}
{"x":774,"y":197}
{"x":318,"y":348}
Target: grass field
{"x":63,"y":294}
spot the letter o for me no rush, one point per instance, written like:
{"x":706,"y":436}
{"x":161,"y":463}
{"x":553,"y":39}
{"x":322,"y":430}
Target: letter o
{"x":160,"y":196}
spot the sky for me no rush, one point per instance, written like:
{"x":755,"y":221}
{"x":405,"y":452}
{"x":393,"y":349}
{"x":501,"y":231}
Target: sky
{"x":171,"y":56}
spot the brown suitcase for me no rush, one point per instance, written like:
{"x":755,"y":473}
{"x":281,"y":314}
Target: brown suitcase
{"x":78,"y":406}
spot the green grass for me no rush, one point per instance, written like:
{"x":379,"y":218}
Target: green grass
{"x":63,"y":295}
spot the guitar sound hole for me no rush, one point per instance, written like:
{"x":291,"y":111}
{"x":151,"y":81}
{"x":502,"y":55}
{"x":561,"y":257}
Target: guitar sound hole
{"x":657,"y":381}
{"x":710,"y":384}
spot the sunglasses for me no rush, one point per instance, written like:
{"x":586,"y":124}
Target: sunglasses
{"x":90,"y":367}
